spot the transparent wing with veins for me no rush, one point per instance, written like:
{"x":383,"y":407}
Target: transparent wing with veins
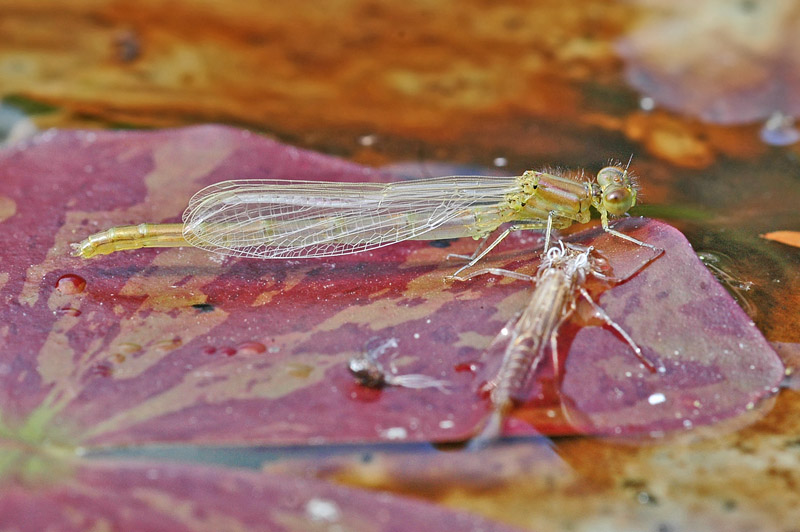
{"x":294,"y":219}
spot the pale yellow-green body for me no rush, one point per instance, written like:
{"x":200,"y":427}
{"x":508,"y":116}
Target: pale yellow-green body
{"x":293,"y":219}
{"x":125,"y":237}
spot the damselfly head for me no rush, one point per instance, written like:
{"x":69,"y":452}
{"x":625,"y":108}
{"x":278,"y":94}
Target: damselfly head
{"x":618,"y":193}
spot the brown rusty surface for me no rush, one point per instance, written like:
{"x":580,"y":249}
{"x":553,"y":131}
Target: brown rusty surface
{"x":723,"y":480}
{"x":456,"y":73}
{"x":474,"y":83}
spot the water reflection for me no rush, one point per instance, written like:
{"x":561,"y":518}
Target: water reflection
{"x":724,"y":269}
{"x":723,"y":62}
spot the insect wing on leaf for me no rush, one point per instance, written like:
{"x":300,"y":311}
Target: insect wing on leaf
{"x":295,"y":219}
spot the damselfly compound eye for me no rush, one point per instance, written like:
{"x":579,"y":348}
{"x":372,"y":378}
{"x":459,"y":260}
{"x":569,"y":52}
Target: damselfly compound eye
{"x":618,"y":200}
{"x":613,"y":175}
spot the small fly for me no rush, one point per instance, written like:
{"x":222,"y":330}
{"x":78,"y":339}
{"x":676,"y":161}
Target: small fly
{"x":370,"y":372}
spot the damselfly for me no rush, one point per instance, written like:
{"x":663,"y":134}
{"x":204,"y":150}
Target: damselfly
{"x":275,"y":219}
{"x":559,"y":281}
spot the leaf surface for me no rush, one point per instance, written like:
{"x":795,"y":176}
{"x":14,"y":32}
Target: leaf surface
{"x":156,"y":497}
{"x":182,"y":346}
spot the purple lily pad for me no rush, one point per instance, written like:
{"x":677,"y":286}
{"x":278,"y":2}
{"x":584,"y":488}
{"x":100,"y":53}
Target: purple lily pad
{"x":715,"y":363}
{"x":156,"y":497}
{"x":182,"y":346}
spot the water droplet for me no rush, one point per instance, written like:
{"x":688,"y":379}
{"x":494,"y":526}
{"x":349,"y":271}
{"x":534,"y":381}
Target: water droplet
{"x":646,"y":498}
{"x":647,"y":104}
{"x":322,"y":510}
{"x":69,"y":311}
{"x":470,"y":367}
{"x":656,"y":398}
{"x":367,"y":140}
{"x":363,"y":394}
{"x":780,"y":130}
{"x":395,"y":433}
{"x":251,"y":348}
{"x":70,"y":284}
{"x":168,"y":345}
